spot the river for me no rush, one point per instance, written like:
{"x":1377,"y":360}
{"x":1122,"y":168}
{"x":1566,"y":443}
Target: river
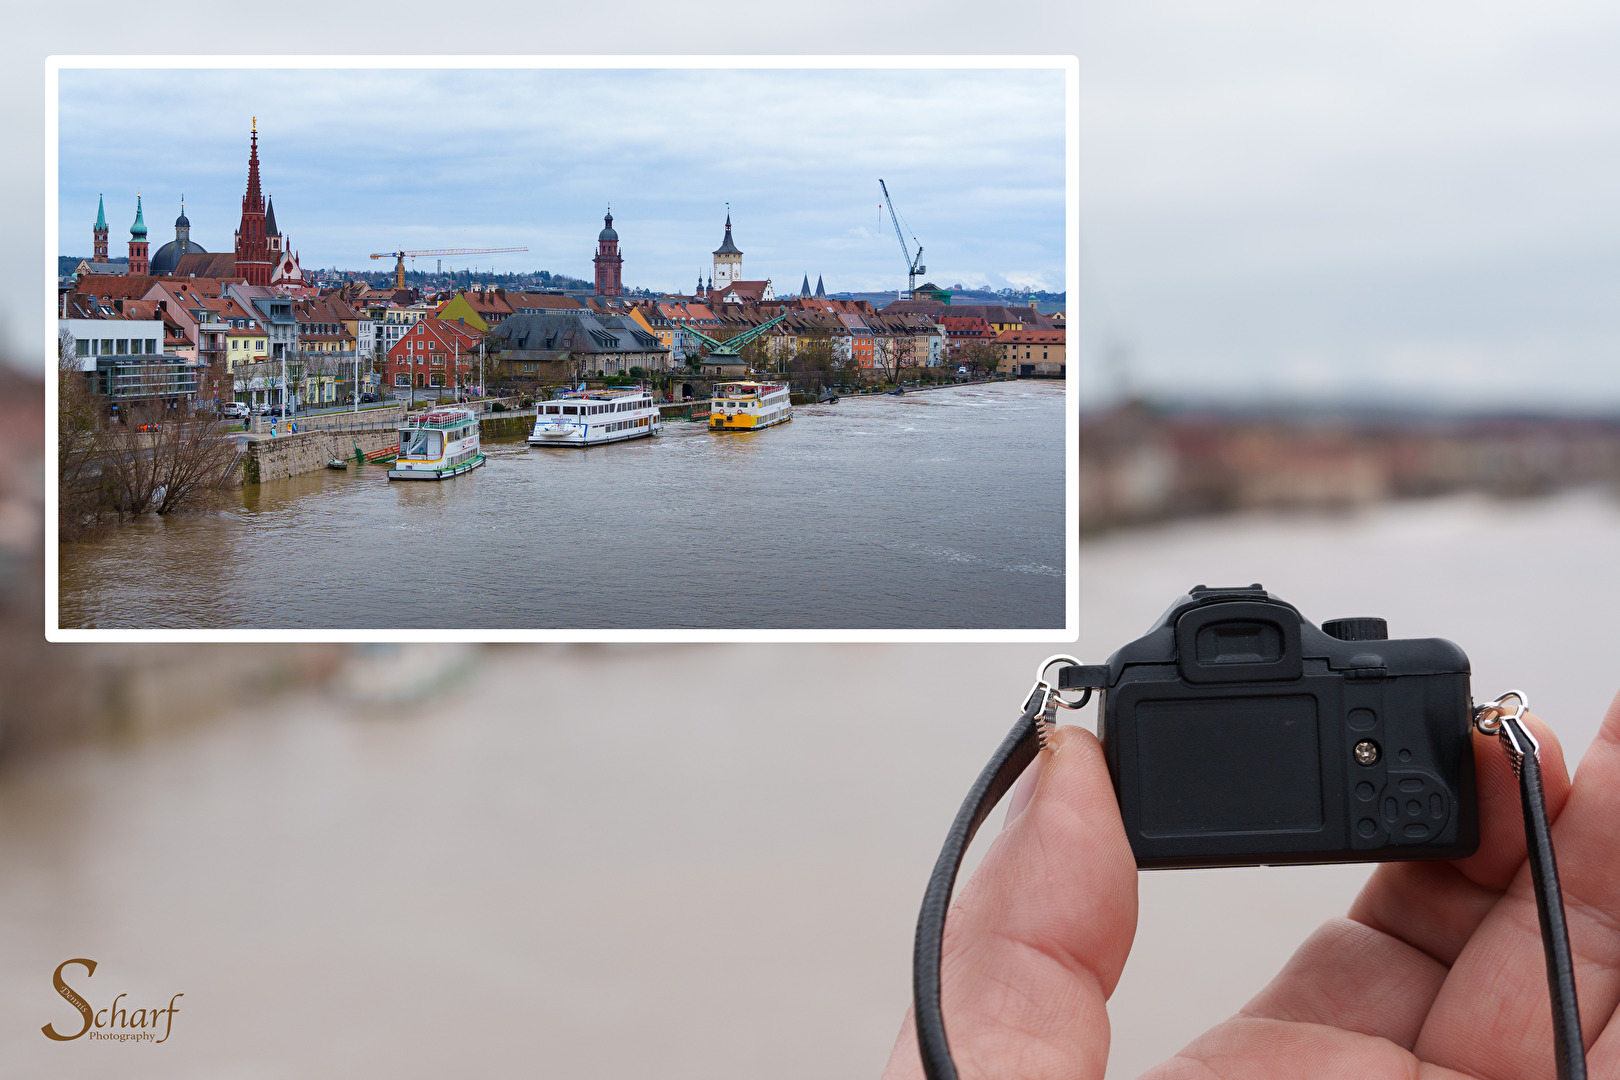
{"x":939,"y":509}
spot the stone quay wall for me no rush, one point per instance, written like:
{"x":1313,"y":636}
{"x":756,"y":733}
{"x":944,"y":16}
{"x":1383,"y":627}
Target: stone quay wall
{"x":306,"y":452}
{"x":370,"y":416}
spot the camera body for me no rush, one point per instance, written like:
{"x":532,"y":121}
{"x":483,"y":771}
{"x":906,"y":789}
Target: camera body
{"x":1237,"y":733}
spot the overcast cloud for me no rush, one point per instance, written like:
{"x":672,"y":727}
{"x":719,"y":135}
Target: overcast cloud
{"x":1376,"y":200}
{"x":361,"y":161}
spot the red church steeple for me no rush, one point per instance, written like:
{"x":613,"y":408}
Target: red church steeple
{"x":609,"y":264}
{"x":252,"y":256}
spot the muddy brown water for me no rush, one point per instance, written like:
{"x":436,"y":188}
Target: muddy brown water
{"x":939,"y":509}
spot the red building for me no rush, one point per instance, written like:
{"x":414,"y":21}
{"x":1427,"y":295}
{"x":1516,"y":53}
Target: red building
{"x":960,"y":329}
{"x":434,"y":352}
{"x":608,"y":262}
{"x":252,"y":254}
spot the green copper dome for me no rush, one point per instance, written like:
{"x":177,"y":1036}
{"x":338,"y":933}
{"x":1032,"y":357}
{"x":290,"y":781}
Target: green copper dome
{"x":137,"y":231}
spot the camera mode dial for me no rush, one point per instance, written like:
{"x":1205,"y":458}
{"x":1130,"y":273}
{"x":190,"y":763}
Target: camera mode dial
{"x":1357,"y":629}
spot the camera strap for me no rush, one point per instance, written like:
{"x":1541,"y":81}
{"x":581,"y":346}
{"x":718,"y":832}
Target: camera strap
{"x":1005,"y":766}
{"x":1504,"y":721}
{"x":1028,"y":736}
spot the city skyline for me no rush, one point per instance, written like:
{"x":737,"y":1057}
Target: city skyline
{"x":475,"y":168}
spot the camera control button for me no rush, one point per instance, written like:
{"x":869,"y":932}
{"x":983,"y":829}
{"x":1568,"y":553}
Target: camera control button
{"x":1357,"y":629}
{"x":1416,"y":806}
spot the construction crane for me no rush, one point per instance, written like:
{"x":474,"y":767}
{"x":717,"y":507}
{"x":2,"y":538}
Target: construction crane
{"x":401,"y":256}
{"x":732,"y":346}
{"x":914,"y":266}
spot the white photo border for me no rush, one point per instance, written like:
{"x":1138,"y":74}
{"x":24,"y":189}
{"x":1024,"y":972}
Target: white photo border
{"x":1068,"y":633}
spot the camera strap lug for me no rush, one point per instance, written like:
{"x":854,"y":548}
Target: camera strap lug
{"x":1503,"y":719}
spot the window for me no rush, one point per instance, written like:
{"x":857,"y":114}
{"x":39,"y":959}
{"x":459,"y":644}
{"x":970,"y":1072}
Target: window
{"x":151,"y":345}
{"x":82,"y":348}
{"x":123,"y":346}
{"x":401,"y":379}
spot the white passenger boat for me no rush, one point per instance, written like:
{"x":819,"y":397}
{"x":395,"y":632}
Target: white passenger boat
{"x":438,"y":445}
{"x":593,"y":417}
{"x":749,"y":406}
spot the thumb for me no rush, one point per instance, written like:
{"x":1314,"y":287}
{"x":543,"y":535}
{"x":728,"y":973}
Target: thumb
{"x":1036,"y":941}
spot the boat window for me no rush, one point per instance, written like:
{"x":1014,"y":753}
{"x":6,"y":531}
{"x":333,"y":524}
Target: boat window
{"x":571,"y":410}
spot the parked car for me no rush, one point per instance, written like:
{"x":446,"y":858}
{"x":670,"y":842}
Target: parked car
{"x":234,"y":410}
{"x":367,"y":399}
{"x":270,"y":410}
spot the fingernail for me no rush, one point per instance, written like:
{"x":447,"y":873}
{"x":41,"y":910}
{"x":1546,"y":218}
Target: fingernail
{"x":1024,"y":790}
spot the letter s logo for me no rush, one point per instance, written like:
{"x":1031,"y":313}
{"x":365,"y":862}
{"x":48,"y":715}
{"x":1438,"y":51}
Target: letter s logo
{"x":71,"y":998}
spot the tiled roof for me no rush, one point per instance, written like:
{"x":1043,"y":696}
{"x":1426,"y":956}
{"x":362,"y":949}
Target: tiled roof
{"x":115,"y":285}
{"x":221,"y":264}
{"x":527,"y":302}
{"x":1033,"y":337}
{"x":581,"y":331}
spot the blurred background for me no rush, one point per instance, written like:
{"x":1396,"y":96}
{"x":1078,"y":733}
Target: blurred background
{"x":1345,"y":325}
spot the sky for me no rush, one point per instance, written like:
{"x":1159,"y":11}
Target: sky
{"x":1379,"y":201}
{"x":1278,"y":201}
{"x":361,"y":161}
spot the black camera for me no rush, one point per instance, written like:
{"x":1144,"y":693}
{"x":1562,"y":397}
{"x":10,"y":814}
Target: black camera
{"x":1238,"y":734}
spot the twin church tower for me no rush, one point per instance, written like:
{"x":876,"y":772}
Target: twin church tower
{"x":262,"y":254}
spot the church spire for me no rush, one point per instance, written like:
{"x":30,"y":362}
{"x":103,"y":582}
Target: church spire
{"x":99,"y":234}
{"x":252,"y":253}
{"x":804,"y":290}
{"x":821,"y":293}
{"x":138,"y":230}
{"x":252,"y":203}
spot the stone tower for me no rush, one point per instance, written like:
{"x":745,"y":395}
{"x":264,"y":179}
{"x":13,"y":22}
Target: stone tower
{"x":101,"y":255}
{"x":609,"y":264}
{"x":727,"y":259}
{"x":137,"y":242}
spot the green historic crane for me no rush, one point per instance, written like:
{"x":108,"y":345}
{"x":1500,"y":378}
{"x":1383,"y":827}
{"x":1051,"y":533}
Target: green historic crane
{"x":734,"y":346}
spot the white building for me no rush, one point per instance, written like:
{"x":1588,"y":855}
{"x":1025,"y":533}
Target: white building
{"x":727,"y":260}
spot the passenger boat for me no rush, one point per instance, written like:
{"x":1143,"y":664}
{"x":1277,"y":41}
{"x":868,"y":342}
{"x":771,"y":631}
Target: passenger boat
{"x":437,"y":446}
{"x":594,"y":417}
{"x":749,"y":406}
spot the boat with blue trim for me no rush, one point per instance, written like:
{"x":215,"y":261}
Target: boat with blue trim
{"x":594,"y":417}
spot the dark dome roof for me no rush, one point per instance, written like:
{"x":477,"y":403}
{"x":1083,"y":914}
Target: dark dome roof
{"x":167,"y":257}
{"x":182,"y":222}
{"x":607,"y":233}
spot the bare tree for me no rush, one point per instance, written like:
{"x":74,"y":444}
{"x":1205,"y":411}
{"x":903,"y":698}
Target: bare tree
{"x":192,"y":455}
{"x":162,"y":460}
{"x":78,"y":436}
{"x":979,"y":356}
{"x":814,"y":358}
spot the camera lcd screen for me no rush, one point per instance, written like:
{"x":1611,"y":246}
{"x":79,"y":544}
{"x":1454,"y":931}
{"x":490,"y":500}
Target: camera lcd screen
{"x":1216,"y":765}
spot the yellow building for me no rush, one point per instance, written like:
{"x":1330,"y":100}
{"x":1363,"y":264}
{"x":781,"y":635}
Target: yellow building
{"x":666,"y":338}
{"x":1030,"y":352}
{"x":457,"y":309}
{"x":245,"y":345}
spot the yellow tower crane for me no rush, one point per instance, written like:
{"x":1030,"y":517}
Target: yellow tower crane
{"x":401,"y":256}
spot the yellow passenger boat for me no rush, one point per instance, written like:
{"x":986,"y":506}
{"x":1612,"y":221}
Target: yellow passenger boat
{"x":749,"y":406}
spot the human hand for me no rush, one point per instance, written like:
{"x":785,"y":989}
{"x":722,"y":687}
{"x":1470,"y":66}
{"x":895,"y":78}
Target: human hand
{"x":1438,"y":972}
